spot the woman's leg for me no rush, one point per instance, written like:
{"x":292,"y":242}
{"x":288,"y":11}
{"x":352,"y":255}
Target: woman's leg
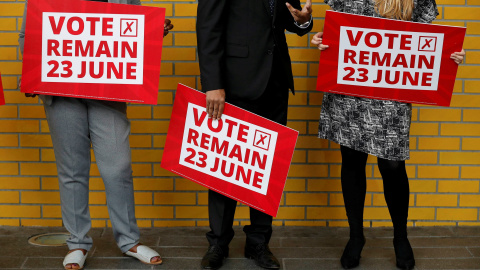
{"x":354,"y":187}
{"x":397,"y":195}
{"x":109,"y":131}
{"x":67,"y":121}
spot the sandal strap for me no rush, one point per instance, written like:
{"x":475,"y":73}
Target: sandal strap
{"x":144,"y":254}
{"x":76,"y":257}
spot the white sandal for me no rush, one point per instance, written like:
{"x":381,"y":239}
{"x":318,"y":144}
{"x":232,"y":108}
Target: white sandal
{"x":145,"y":255}
{"x":75,"y":257}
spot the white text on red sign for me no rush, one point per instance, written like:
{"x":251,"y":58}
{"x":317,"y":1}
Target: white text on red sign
{"x":92,"y":48}
{"x":230,"y":149}
{"x":389,"y":59}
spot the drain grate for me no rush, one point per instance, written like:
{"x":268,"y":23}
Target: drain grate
{"x":49,"y":239}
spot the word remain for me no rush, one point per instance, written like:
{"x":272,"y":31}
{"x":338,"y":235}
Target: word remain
{"x":89,"y":49}
{"x":386,"y":59}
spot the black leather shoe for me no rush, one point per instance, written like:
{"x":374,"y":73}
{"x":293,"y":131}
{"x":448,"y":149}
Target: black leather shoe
{"x":351,"y":253}
{"x":404,"y":253}
{"x":213,"y":259}
{"x":262,"y":255}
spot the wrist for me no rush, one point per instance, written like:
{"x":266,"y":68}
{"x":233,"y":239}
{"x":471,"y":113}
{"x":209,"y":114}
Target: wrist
{"x":301,"y":22}
{"x":304,"y":23}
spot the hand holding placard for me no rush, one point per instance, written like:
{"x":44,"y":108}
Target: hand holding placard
{"x":317,"y":39}
{"x":215,"y":103}
{"x":167,"y":26}
{"x":458,"y":56}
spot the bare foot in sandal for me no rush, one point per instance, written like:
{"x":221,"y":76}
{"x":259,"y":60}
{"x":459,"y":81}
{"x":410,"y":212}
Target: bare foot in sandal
{"x":153,"y":260}
{"x":78,"y":265}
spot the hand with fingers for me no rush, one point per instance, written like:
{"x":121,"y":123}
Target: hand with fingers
{"x":167,"y":26}
{"x":215,"y":103}
{"x":317,"y":39}
{"x":458,"y":56}
{"x":301,"y":16}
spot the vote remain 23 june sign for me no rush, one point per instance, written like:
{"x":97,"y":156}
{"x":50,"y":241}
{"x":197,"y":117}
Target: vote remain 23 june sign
{"x":389,"y":59}
{"x":242,"y":156}
{"x":93,"y":50}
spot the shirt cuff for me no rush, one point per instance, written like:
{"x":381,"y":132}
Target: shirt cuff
{"x":304,"y":25}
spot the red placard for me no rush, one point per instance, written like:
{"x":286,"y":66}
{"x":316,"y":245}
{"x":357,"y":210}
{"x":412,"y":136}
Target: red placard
{"x":2,"y":98}
{"x":242,"y":156}
{"x":389,"y":59}
{"x":93,"y":50}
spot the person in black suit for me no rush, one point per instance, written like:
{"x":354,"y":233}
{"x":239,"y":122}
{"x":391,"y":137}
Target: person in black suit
{"x":244,"y":60}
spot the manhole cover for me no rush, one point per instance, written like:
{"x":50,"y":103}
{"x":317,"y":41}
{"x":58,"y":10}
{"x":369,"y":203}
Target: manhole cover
{"x":49,"y":239}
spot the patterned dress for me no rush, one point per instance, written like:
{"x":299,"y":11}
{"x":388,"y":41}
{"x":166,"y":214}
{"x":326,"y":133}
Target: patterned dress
{"x":377,"y":127}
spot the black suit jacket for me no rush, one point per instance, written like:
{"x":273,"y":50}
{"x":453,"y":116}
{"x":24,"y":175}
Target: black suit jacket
{"x":237,"y":40}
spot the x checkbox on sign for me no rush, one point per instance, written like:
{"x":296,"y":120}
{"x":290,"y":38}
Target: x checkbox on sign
{"x":427,"y":44}
{"x":262,"y":140}
{"x":128,"y":27}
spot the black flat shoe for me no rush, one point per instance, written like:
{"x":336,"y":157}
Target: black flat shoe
{"x":404,"y":253}
{"x":351,"y":253}
{"x":213,"y":259}
{"x":262,"y":255}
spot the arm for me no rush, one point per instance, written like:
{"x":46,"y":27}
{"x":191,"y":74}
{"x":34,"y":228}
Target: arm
{"x":211,"y":21}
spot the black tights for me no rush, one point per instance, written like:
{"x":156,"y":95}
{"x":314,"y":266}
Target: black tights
{"x":354,"y":186}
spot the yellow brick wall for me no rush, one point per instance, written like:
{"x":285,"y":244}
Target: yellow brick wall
{"x":444,"y":169}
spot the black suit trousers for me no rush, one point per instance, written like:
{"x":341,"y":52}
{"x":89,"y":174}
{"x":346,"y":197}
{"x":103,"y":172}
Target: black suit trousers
{"x":273,"y":105}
